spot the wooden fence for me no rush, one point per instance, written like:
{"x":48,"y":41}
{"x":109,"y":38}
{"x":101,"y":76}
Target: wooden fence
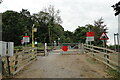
{"x":21,"y":58}
{"x":104,"y":55}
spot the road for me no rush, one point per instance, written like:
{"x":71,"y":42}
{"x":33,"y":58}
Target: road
{"x":63,"y":66}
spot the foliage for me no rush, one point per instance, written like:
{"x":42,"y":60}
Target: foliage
{"x":116,"y":8}
{"x":48,"y":24}
{"x":112,"y":47}
{"x":49,"y":28}
{"x":68,"y":37}
{"x":113,"y":74}
{"x":15,"y":25}
{"x":1,"y":1}
{"x":98,"y":28}
{"x":80,"y":34}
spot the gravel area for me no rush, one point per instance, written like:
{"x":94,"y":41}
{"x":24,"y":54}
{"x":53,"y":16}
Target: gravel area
{"x":63,"y":66}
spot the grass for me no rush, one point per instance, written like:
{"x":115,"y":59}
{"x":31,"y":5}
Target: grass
{"x":113,"y":74}
{"x":92,"y":61}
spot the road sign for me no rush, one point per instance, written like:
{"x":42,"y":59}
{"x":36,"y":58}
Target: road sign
{"x":89,"y":36}
{"x":103,"y":36}
{"x":26,"y":39}
{"x":65,"y":48}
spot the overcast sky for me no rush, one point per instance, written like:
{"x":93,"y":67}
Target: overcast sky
{"x":74,"y":13}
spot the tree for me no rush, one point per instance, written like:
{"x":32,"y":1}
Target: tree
{"x":53,"y":14}
{"x":116,"y":8}
{"x":68,"y":36}
{"x":48,"y":24}
{"x":80,"y":34}
{"x":54,"y":18}
{"x":15,"y":25}
{"x":1,"y":1}
{"x":98,"y":28}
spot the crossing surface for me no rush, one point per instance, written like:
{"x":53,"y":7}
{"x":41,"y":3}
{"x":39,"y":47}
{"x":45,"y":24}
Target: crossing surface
{"x":63,"y":66}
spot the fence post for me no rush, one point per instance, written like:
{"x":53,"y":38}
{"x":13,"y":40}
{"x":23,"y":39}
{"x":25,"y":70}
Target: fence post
{"x":107,"y":57}
{"x":45,"y":49}
{"x":82,"y":46}
{"x":92,"y":50}
{"x":8,"y":66}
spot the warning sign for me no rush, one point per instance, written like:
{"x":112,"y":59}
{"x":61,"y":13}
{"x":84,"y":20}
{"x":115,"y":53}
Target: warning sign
{"x":65,"y":48}
{"x":103,"y":36}
{"x":26,"y":39}
{"x":89,"y":36}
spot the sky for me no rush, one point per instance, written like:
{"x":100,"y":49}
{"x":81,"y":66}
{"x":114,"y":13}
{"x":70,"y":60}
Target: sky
{"x":74,"y":13}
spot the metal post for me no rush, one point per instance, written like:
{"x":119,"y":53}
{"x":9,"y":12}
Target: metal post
{"x":115,"y":41}
{"x":33,"y":36}
{"x":104,"y":49}
{"x":25,"y":42}
{"x":49,"y":34}
{"x":118,"y":41}
{"x":45,"y":49}
{"x":0,"y":46}
{"x":90,"y":43}
{"x":103,"y":43}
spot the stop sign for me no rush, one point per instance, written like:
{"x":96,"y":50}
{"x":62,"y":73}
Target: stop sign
{"x":65,"y":48}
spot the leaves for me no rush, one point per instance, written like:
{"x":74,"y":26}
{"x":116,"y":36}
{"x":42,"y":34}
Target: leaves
{"x":49,"y":28}
{"x":15,"y":26}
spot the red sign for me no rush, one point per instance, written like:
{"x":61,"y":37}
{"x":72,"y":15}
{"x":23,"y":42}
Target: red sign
{"x":103,"y":36}
{"x":26,"y":36}
{"x":90,"y":34}
{"x":26,"y":39}
{"x":65,"y":48}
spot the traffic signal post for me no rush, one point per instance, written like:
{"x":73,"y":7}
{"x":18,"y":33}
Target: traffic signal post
{"x":33,"y":30}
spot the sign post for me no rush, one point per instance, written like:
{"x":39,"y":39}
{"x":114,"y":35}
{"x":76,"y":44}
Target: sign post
{"x":33,"y":30}
{"x":26,"y":39}
{"x":89,"y":37}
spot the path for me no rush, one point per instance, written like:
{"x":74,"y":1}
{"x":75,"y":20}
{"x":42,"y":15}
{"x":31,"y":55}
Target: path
{"x":63,"y":66}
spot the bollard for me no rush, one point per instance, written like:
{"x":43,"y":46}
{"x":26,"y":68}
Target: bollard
{"x":45,"y":49}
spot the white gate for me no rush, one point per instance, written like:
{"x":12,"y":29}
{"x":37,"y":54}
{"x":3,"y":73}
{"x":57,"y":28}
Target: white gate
{"x":66,"y":48}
